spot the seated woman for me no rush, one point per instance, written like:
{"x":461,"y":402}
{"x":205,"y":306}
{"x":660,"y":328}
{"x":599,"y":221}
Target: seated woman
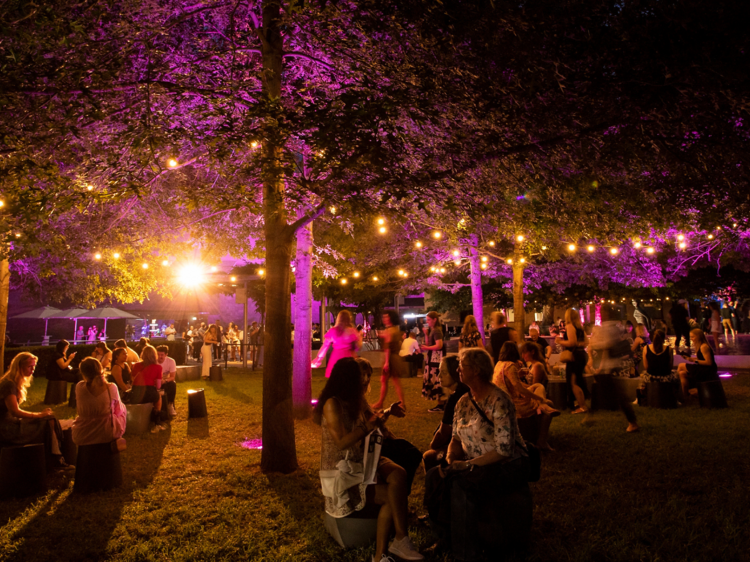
{"x":701,"y":368}
{"x":529,"y":400}
{"x":19,"y":427}
{"x":486,"y":438}
{"x":146,"y":382}
{"x":640,"y":342}
{"x":102,"y":354}
{"x":536,"y":370}
{"x":449,"y":380}
{"x":658,"y":361}
{"x":341,"y":412}
{"x":120,"y":374}
{"x":97,"y":421}
{"x":61,"y":370}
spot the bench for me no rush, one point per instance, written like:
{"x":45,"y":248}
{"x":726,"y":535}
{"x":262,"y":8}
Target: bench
{"x":188,"y":373}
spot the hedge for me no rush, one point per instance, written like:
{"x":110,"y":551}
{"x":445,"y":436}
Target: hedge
{"x":46,"y":353}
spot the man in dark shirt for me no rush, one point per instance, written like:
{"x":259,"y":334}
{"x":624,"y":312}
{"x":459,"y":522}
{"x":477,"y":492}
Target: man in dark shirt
{"x":542,"y":343}
{"x":679,"y":315}
{"x":499,"y":334}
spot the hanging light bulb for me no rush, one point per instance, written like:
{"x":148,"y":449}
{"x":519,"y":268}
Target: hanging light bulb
{"x":116,"y":255}
{"x":343,"y":281}
{"x":356,"y":274}
{"x":89,"y":187}
{"x":710,"y":236}
{"x":680,"y":237}
{"x":437,"y":234}
{"x":381,"y":221}
{"x":544,"y":247}
{"x":375,"y":278}
{"x":261,"y":272}
{"x":165,"y":262}
{"x":401,"y":272}
{"x":590,"y":248}
{"x":492,"y":243}
{"x":172,"y":163}
{"x":649,"y":250}
{"x":97,"y":256}
{"x":406,"y":274}
{"x":214,"y":268}
{"x":571,"y":247}
{"x":382,"y":230}
{"x":233,"y":279}
{"x":484,"y":258}
{"x":442,"y":270}
{"x":432,"y":269}
{"x":456,"y":253}
{"x":418,"y":244}
{"x":734,"y":225}
{"x":637,"y":245}
{"x":519,"y":238}
{"x":457,"y":262}
{"x":254,"y":144}
{"x":613,"y":251}
{"x":144,"y":266}
{"x":332,"y":209}
{"x":484,"y":266}
{"x":682,"y":245}
{"x":509,"y":262}
{"x":522,"y":260}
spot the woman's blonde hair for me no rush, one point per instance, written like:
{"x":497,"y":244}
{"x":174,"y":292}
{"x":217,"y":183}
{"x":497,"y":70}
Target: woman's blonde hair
{"x":148,"y":355}
{"x":344,"y":318}
{"x":470,"y":325}
{"x":701,"y":337}
{"x":13,"y":373}
{"x":572,"y":317}
{"x":641,"y":330}
{"x":480,"y":360}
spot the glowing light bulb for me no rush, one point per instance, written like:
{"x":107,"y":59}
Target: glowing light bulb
{"x":734,"y":225}
{"x":590,"y":248}
{"x":254,"y":144}
{"x":484,"y":258}
{"x":2,"y":204}
{"x":381,"y":221}
{"x":457,"y":262}
{"x":97,"y":256}
{"x":214,"y":268}
{"x":375,"y":278}
{"x":90,"y":187}
{"x":710,"y":236}
{"x":332,"y":209}
{"x":484,"y":266}
{"x":613,"y":251}
{"x":682,"y":245}
{"x":637,"y":245}
{"x":680,"y":237}
{"x":666,"y":299}
{"x":18,"y":234}
{"x":261,"y":272}
{"x":144,"y":265}
{"x":442,"y":270}
{"x":382,"y":230}
{"x":165,"y":262}
{"x":436,"y":235}
{"x":432,"y":269}
{"x":172,"y":163}
{"x":520,"y":238}
{"x":544,"y":247}
{"x":356,"y":274}
{"x":343,"y":281}
{"x":233,"y":279}
{"x":401,"y":272}
{"x":456,"y":253}
{"x":571,"y":247}
{"x":406,"y":274}
{"x":522,"y":260}
{"x":649,"y":250}
{"x":510,"y":261}
{"x":418,"y":244}
{"x":116,"y":255}
{"x":492,"y":243}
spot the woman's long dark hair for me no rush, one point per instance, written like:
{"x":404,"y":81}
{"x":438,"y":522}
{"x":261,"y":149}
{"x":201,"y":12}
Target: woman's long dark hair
{"x":509,"y":352}
{"x":346,"y":385}
{"x":658,"y":341}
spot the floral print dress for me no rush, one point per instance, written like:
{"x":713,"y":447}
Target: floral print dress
{"x":431,"y":388}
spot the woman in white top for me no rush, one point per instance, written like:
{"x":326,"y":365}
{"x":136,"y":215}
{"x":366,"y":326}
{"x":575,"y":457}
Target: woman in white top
{"x":210,"y":338}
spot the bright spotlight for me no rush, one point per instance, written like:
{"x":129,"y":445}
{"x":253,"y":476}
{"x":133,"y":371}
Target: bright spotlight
{"x":190,"y":275}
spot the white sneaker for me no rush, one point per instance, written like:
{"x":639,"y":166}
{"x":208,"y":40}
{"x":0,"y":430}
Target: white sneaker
{"x":155,"y":429}
{"x":172,"y":411}
{"x":405,"y":549}
{"x":383,"y":558}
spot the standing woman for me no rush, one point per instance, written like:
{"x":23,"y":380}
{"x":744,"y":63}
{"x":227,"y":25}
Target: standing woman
{"x":344,"y":339}
{"x":574,"y":340}
{"x":715,"y":323}
{"x":470,"y":336}
{"x":431,"y":388}
{"x":61,"y":370}
{"x":391,"y":337}
{"x":19,"y":427}
{"x":210,"y":338}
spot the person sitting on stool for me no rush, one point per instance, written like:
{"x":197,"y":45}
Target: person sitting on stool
{"x":168,"y":374}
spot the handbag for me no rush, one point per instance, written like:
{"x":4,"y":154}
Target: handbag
{"x":335,"y":483}
{"x":534,"y":467}
{"x":566,"y":356}
{"x":118,"y":423}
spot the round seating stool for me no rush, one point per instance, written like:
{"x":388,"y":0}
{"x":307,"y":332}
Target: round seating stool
{"x":558,"y":393}
{"x":356,"y":530}
{"x":529,"y":427}
{"x":196,"y":403}
{"x":97,"y":468}
{"x":56,"y":393}
{"x":661,"y":395}
{"x":139,"y":417}
{"x":68,"y":447}
{"x":22,"y":470}
{"x":711,"y":395}
{"x":215,"y":373}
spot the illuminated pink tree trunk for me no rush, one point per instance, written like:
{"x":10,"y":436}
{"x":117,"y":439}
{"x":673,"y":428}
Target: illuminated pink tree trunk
{"x":518,"y":311}
{"x":301,"y":367}
{"x":475,"y":278}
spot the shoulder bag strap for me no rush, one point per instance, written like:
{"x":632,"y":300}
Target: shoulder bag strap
{"x":481,"y":412}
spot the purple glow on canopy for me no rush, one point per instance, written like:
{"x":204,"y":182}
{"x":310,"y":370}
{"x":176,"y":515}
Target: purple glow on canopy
{"x":255,"y":444}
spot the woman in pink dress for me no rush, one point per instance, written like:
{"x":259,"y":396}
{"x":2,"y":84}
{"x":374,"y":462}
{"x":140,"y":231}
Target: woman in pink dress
{"x":344,"y":339}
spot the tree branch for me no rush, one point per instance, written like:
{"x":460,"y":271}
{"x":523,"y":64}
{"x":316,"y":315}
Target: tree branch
{"x":305,"y":220}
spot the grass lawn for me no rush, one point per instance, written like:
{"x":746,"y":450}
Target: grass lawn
{"x":678,"y":490}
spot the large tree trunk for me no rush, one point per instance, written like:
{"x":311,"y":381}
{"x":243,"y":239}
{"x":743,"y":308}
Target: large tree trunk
{"x":279,"y":451}
{"x":302,"y":377}
{"x":475,"y":278}
{"x":4,"y":292}
{"x":519,"y":313}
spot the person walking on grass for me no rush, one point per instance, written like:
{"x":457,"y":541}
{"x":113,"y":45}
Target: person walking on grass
{"x":391,"y":337}
{"x":431,"y":389}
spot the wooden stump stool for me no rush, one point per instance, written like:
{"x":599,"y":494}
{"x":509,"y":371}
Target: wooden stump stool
{"x":356,"y":530}
{"x":661,"y":395}
{"x":139,"y":416}
{"x":97,"y":468}
{"x":529,"y":428}
{"x":557,"y":391}
{"x":215,"y":374}
{"x":57,"y":392}
{"x":22,"y":470}
{"x":711,"y":395}
{"x":196,"y":403}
